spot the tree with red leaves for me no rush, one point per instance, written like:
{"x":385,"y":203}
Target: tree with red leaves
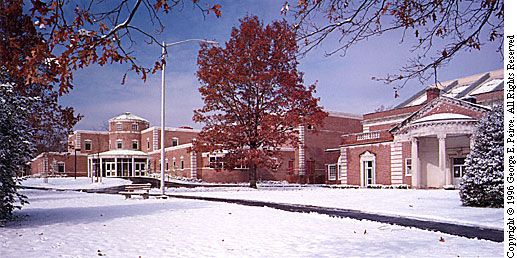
{"x":95,"y":32}
{"x":253,"y":96}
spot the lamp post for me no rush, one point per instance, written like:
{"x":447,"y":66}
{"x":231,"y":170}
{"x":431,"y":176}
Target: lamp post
{"x":162,"y":135}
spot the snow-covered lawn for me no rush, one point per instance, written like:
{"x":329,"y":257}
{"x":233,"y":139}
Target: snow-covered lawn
{"x":439,"y":205}
{"x":71,"y":183}
{"x":75,"y":224}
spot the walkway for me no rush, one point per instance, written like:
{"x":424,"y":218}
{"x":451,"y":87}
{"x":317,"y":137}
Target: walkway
{"x":496,"y":235}
{"x":491,"y":234}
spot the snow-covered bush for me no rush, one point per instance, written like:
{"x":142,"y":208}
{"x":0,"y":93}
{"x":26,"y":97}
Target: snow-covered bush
{"x":483,"y":181}
{"x":15,"y":148}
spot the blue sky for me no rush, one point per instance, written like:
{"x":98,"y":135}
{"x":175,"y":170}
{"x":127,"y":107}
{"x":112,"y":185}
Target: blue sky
{"x":344,"y":83}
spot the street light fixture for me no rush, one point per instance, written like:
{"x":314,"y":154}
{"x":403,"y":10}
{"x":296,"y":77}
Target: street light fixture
{"x":162,"y":153}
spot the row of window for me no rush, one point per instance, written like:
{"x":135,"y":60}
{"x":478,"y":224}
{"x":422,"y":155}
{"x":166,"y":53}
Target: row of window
{"x":174,"y":165}
{"x":134,"y":144}
{"x":458,"y":167}
{"x":134,"y":127}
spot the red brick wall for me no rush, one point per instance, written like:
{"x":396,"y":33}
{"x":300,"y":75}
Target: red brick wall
{"x":406,"y":154}
{"x":99,"y":142}
{"x":37,"y":166}
{"x":143,"y":141}
{"x":127,"y":140}
{"x":241,"y":175}
{"x":382,"y":163}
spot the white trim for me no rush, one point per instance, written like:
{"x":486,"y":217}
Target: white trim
{"x":365,"y":157}
{"x":90,"y":132}
{"x":335,"y":176}
{"x":85,"y":141}
{"x":406,"y":167}
{"x":179,"y":147}
{"x":171,"y":129}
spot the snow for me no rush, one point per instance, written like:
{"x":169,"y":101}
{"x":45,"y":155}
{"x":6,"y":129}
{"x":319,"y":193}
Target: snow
{"x":76,"y":224}
{"x":71,"y":183}
{"x":436,"y":205}
{"x":443,"y":116}
{"x":487,"y":87}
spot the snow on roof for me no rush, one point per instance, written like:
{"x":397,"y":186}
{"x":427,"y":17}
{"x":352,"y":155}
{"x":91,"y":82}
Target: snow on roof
{"x":461,"y":87}
{"x":172,"y":129}
{"x":443,"y":116}
{"x":121,"y":152}
{"x":128,"y":116}
{"x":343,"y":114}
{"x":487,"y":87}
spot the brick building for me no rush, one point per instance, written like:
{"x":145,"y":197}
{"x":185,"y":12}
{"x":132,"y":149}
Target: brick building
{"x":131,"y":148}
{"x":422,"y":142}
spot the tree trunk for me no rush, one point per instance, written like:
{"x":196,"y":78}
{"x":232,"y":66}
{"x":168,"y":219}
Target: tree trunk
{"x":253,"y":176}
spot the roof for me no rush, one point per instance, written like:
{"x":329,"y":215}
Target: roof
{"x":343,"y":114}
{"x":128,"y":116}
{"x":120,"y":152}
{"x":462,"y":87}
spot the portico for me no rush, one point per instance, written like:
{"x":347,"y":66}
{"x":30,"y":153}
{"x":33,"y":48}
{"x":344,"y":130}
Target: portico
{"x":118,"y":163}
{"x":439,"y":145}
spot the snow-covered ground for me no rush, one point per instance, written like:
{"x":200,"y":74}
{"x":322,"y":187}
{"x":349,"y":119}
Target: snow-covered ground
{"x":71,"y":183}
{"x":75,"y":224}
{"x":438,"y":205}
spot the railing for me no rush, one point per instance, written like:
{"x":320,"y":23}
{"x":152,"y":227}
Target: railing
{"x":368,"y":136}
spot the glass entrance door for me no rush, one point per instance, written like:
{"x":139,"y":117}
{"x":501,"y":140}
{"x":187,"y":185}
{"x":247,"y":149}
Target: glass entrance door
{"x":368,"y":173}
{"x":458,"y":168}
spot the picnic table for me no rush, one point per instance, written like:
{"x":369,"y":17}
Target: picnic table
{"x":137,"y":189}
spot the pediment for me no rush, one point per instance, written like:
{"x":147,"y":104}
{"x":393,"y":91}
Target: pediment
{"x":443,"y":109}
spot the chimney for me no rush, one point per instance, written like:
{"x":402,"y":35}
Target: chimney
{"x":432,"y":93}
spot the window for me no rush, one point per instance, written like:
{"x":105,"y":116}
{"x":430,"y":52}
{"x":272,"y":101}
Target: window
{"x":175,"y":142}
{"x":148,"y":144}
{"x":167,"y":164}
{"x":135,"y":145}
{"x":458,"y":167}
{"x":61,"y":167}
{"x":174,"y":163}
{"x":216,"y":162}
{"x":182,"y":163}
{"x":119,"y":144}
{"x":332,"y":171}
{"x":290,"y":169}
{"x":119,"y":127}
{"x":88,"y":145}
{"x":408,"y":167}
{"x":134,"y":127}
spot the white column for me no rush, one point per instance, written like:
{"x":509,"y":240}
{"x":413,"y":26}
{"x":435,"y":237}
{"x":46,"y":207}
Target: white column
{"x":415,"y":164}
{"x":132,"y":173}
{"x":100,"y":168}
{"x":301,"y":150}
{"x":116,"y":166}
{"x":193,"y":165}
{"x":442,"y":158}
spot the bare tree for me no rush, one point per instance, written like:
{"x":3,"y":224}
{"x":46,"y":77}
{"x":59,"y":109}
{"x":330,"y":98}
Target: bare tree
{"x":441,"y":28}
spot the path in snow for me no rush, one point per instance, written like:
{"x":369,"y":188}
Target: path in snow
{"x":448,"y":228}
{"x":75,"y":224}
